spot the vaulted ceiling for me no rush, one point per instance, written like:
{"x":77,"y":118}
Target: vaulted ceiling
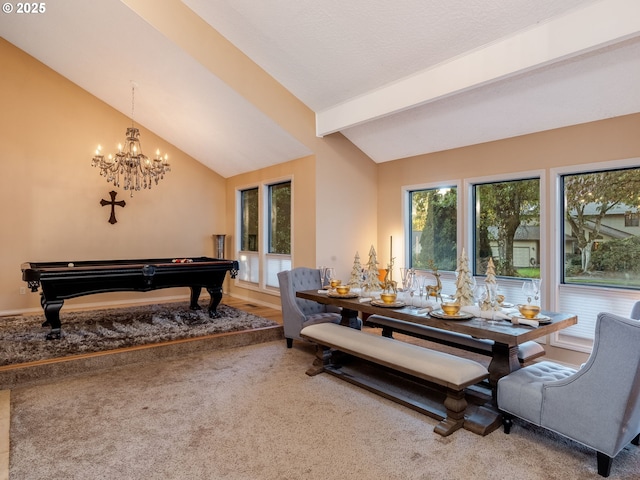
{"x":396,"y":78}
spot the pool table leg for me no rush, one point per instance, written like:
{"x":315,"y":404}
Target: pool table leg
{"x":52,"y":316}
{"x":195,"y":294}
{"x":216,"y":296}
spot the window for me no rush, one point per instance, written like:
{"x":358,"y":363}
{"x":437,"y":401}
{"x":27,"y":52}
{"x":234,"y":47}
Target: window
{"x":601,"y":243}
{"x":264,"y":232}
{"x":280,"y":218}
{"x":279,"y":232}
{"x":631,"y":219}
{"x":249,"y":226}
{"x":506,"y":227}
{"x":249,"y":229}
{"x":433,"y":220}
{"x":597,"y":245}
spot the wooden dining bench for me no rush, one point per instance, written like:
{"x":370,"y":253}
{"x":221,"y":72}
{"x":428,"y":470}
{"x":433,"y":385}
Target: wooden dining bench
{"x":527,"y":351}
{"x":442,"y":369}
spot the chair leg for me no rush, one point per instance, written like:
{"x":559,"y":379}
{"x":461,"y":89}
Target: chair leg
{"x":604,"y":464}
{"x":636,"y":441}
{"x":289,"y":342}
{"x":507,"y":421}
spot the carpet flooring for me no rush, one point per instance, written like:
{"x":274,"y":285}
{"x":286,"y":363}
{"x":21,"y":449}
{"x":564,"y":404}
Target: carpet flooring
{"x":251,"y":413}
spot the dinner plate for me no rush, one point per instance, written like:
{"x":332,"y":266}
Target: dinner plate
{"x":380,"y":303}
{"x":457,"y":316}
{"x":507,"y":305}
{"x":342,"y":295}
{"x":541,"y":319}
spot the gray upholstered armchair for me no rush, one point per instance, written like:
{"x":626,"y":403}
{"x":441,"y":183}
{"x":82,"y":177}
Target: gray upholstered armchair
{"x":597,"y":405}
{"x":297,"y":313}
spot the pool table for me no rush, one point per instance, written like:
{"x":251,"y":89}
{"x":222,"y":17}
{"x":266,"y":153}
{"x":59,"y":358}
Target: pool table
{"x":62,"y":280}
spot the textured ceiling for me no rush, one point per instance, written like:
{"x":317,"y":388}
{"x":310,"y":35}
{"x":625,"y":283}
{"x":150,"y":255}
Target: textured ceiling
{"x":396,"y":78}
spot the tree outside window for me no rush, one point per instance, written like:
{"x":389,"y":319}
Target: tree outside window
{"x":250,"y":220}
{"x":434,"y":228}
{"x":280,"y":218}
{"x":601,"y":233}
{"x":507,"y":227}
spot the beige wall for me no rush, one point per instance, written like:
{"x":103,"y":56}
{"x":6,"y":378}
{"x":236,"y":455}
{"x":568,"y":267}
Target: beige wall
{"x":50,"y":194}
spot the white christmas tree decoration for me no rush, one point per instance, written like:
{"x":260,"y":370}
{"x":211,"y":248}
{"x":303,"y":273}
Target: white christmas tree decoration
{"x":490,"y":283}
{"x":371,"y":281}
{"x":356,"y":272}
{"x":464,"y":282}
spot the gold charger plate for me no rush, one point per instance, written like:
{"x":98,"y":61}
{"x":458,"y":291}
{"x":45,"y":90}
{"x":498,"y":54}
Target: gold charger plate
{"x":380,"y":303}
{"x":541,"y":319}
{"x":457,"y":316}
{"x":342,"y":295}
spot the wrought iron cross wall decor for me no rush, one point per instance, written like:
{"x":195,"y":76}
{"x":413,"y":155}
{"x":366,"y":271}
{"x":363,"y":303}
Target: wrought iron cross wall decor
{"x":113,"y":203}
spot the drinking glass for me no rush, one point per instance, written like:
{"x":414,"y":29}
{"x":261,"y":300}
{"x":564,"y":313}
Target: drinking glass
{"x":492,"y":295}
{"x":410,"y":286}
{"x":404,"y":272}
{"x":331,"y":275}
{"x":529,"y":290}
{"x":420,"y":284}
{"x":536,"y":289}
{"x":323,"y":275}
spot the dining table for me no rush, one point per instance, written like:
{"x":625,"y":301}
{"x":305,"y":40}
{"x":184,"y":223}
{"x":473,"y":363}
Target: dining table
{"x":506,"y":336}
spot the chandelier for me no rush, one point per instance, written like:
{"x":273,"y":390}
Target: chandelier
{"x":130,"y":168}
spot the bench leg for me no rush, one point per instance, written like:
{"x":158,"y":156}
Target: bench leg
{"x":387,"y":332}
{"x":323,"y":358}
{"x":456,"y":404}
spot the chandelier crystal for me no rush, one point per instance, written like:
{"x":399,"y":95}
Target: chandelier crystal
{"x":130,"y":168}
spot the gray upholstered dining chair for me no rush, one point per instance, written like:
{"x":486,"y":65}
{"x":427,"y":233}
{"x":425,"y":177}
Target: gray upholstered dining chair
{"x":297,"y":313}
{"x":597,"y":405}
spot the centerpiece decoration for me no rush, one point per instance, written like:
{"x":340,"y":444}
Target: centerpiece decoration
{"x":489,"y":300}
{"x":371,"y":282}
{"x":464,"y":282}
{"x":434,"y":290}
{"x":356,"y":278}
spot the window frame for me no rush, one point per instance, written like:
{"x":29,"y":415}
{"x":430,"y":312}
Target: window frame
{"x":472,"y":218}
{"x":446,"y":277}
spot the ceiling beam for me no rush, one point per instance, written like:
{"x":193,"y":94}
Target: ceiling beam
{"x":580,"y":31}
